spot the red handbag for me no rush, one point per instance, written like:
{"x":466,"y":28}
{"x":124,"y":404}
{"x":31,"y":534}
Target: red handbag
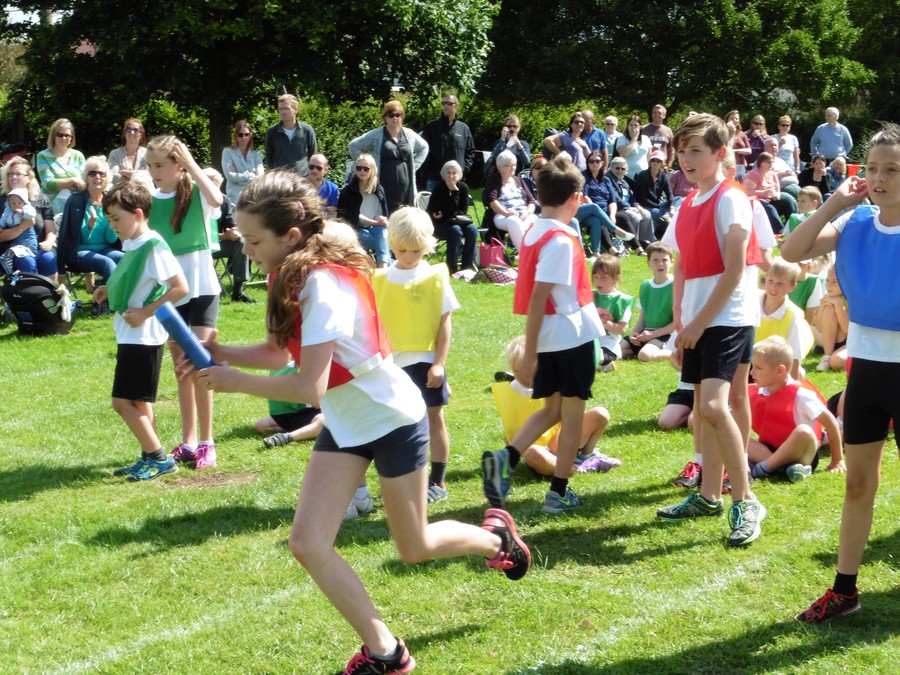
{"x":492,"y":254}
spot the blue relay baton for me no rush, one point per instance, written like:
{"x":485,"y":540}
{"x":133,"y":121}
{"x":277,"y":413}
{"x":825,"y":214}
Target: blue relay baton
{"x":185,"y":338}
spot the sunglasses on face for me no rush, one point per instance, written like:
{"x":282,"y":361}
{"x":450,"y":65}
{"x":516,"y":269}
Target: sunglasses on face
{"x":618,"y":168}
{"x":244,"y":134}
{"x":577,"y":121}
{"x":16,"y":175}
{"x":315,"y":167}
{"x":132,"y":130}
{"x":62,"y":134}
{"x":448,"y":103}
{"x":594,"y":161}
{"x":363,"y":169}
{"x":92,"y":173}
{"x":395,"y":115}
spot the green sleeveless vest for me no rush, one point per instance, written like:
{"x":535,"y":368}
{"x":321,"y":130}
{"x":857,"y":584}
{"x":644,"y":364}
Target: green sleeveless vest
{"x":127,"y":275}
{"x":195,"y":234}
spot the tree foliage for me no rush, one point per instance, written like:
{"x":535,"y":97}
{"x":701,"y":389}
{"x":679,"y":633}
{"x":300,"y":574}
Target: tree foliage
{"x":222,"y":55}
{"x":641,"y":52}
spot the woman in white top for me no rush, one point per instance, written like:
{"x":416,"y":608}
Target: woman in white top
{"x":132,"y":155}
{"x":240,"y":163}
{"x":634,"y":147}
{"x":788,"y":145}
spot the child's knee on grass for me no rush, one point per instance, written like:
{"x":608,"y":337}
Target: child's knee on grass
{"x":674,"y":417}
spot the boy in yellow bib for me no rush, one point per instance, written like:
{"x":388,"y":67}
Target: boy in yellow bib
{"x":415,"y":301}
{"x":779,"y":316}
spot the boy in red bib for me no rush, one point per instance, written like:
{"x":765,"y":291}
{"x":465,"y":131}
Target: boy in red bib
{"x":788,"y":417}
{"x":716,"y":307}
{"x":553,"y":291}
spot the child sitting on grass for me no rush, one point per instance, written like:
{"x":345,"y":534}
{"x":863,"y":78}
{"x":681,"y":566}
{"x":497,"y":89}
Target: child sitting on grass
{"x":415,"y":302}
{"x":782,"y":317}
{"x":810,"y":289}
{"x":788,"y":417}
{"x":613,"y":308}
{"x":831,"y":325}
{"x":808,"y":200}
{"x":147,"y":276}
{"x":656,"y":320}
{"x":289,"y":422}
{"x":515,"y":405}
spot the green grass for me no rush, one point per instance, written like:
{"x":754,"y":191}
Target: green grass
{"x":191,"y":573}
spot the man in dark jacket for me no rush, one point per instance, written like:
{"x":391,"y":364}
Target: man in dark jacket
{"x":290,"y":143}
{"x":448,"y":138}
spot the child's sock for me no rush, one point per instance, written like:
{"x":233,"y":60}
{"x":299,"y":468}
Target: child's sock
{"x":158,"y":455}
{"x":761,"y":470}
{"x":845,"y":584}
{"x":438,"y":473}
{"x":393,"y":654}
{"x":209,"y":442}
{"x":514,"y":456}
{"x":559,"y":485}
{"x":698,"y":458}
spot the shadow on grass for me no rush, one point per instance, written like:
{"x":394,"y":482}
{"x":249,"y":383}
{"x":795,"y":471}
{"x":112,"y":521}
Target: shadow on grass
{"x":759,"y":649}
{"x":630,"y":427}
{"x":24,"y":483}
{"x":883,"y":549}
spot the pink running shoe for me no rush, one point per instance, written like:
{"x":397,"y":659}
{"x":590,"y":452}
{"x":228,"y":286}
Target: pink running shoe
{"x":206,"y":455}
{"x":183,"y":453}
{"x":690,"y":477}
{"x":366,"y":664}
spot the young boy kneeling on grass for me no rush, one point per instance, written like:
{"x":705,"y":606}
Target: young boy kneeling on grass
{"x":146,"y":277}
{"x":788,"y":417}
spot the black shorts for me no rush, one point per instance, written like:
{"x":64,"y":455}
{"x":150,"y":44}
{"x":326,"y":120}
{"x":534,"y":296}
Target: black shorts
{"x":718,"y":353}
{"x":201,"y":311}
{"x":660,"y":342}
{"x":418,"y":373}
{"x":815,"y":459}
{"x":869,"y":405}
{"x":569,"y":372}
{"x":297,"y":419}
{"x":683,"y":397}
{"x":137,"y":372}
{"x":395,"y":454}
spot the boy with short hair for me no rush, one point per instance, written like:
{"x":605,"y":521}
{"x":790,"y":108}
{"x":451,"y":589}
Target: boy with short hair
{"x":415,"y":301}
{"x":553,"y":291}
{"x":147,"y":277}
{"x":788,"y":417}
{"x":810,"y":289}
{"x":716,"y":308}
{"x":808,"y":200}
{"x":782,"y":317}
{"x":613,"y":307}
{"x":656,"y":320}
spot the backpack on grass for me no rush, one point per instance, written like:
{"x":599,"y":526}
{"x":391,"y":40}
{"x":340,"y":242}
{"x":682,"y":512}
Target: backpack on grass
{"x":40,"y":306}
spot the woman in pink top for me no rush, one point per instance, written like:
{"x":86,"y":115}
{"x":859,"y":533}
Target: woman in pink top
{"x":762,"y":182}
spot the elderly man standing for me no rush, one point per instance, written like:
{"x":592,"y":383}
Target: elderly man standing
{"x":448,"y":138}
{"x":831,"y":139}
{"x":290,"y":143}
{"x":659,"y":134}
{"x":328,"y":191}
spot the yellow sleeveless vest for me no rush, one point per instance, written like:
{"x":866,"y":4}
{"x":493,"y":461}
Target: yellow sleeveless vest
{"x":780,"y":327}
{"x":411,"y":313}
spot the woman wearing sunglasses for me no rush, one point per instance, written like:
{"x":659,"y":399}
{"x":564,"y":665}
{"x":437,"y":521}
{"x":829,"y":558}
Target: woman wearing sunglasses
{"x":59,"y":166}
{"x":86,"y":241}
{"x":132,"y":155}
{"x":241,"y":164}
{"x":398,"y":153}
{"x":363,"y":205}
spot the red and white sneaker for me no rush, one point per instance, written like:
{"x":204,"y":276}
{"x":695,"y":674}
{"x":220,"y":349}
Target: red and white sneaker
{"x":690,"y":476}
{"x":829,"y":606}
{"x":206,"y":455}
{"x":366,"y":664}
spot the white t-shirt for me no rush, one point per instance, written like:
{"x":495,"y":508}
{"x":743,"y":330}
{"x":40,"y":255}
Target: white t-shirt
{"x":865,"y":342}
{"x":161,"y":265}
{"x":742,"y":308}
{"x":807,"y":406}
{"x":198,"y":266}
{"x":373,"y":404}
{"x":575,"y":325}
{"x":449,"y":303}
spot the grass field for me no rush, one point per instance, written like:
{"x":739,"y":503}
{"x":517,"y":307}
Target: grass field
{"x":191,"y":573}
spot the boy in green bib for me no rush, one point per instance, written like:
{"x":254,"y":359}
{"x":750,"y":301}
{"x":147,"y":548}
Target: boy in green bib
{"x":146,"y":277}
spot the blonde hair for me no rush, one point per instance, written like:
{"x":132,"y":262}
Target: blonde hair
{"x":371,"y":182}
{"x":784,"y":269}
{"x":812,"y":192}
{"x":729,"y":163}
{"x":515,"y":352}
{"x":95,"y":163}
{"x":165,"y":145}
{"x":291,"y":100}
{"x":411,"y":228}
{"x":776,"y":350}
{"x":34,"y":187}
{"x":61,"y":123}
{"x":283,"y":200}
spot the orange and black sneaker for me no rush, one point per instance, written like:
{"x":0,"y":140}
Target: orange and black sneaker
{"x":829,"y":606}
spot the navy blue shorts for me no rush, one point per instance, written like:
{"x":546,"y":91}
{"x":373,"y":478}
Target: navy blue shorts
{"x":718,"y":353}
{"x":201,"y":311}
{"x":437,"y":396}
{"x":395,"y":454}
{"x":569,"y":372}
{"x":297,"y":419}
{"x":683,"y":397}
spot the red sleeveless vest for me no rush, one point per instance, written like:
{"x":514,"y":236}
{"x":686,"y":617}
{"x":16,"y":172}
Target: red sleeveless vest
{"x":379,"y":347}
{"x":528,"y":266}
{"x":772,"y":416}
{"x":696,"y":236}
